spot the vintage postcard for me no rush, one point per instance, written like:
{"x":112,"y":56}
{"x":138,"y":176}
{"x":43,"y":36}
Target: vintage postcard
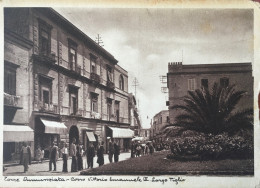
{"x":130,"y":94}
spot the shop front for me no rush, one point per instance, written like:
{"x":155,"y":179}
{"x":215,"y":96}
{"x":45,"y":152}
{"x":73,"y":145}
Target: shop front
{"x":13,"y":138}
{"x":122,"y":135}
{"x":46,"y":132}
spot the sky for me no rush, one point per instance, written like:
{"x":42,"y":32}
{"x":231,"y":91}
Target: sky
{"x":144,"y":41}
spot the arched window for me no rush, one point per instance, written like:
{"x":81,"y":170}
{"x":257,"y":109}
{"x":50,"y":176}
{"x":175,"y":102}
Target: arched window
{"x":121,"y":82}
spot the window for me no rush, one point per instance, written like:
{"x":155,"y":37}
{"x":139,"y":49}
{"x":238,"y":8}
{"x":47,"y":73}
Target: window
{"x":224,"y":82}
{"x":94,"y":102}
{"x":93,"y":62}
{"x":204,"y":83}
{"x":167,"y":119}
{"x":117,"y":110}
{"x":45,"y":90}
{"x":44,"y":38}
{"x":10,"y":79}
{"x":72,"y":55}
{"x":161,"y":119}
{"x":109,"y":74}
{"x":121,"y":82}
{"x":191,"y":84}
{"x":73,"y":94}
{"x":109,"y":108}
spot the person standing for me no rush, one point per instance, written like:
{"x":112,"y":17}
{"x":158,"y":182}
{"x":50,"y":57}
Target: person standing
{"x":90,"y":155}
{"x":100,"y":154}
{"x":53,"y":156}
{"x":25,"y":156}
{"x":38,"y":154}
{"x":79,"y":157}
{"x":74,"y":165}
{"x":64,"y":152}
{"x":110,"y":151}
{"x":116,"y":151}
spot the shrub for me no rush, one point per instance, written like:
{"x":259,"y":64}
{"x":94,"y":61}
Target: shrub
{"x":208,"y":147}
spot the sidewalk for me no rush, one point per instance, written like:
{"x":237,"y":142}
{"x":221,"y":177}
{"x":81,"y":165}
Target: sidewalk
{"x":17,"y":162}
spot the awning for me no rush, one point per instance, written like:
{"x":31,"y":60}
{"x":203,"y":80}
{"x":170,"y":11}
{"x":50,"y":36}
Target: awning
{"x":54,"y":127}
{"x":122,"y":132}
{"x":17,"y":133}
{"x":91,"y":137}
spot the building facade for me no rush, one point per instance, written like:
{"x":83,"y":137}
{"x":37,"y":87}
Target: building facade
{"x":183,"y":78}
{"x":159,"y":121}
{"x":145,"y":133}
{"x":73,"y":87}
{"x":135,"y":122}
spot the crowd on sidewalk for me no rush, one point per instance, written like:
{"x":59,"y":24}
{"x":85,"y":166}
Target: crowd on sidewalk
{"x":75,"y":151}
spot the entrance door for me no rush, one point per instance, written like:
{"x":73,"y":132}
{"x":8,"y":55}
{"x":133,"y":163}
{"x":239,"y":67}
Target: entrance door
{"x":74,"y":133}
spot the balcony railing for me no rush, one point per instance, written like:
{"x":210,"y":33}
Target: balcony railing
{"x":110,"y":85}
{"x":78,"y":69}
{"x":13,"y":100}
{"x":45,"y":107}
{"x":45,"y":58}
{"x":95,"y":77}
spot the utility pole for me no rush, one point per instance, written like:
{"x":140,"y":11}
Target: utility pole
{"x":99,"y":41}
{"x":135,"y":84}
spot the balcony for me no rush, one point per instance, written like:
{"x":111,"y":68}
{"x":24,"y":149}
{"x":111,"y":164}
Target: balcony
{"x":13,"y":101}
{"x":110,"y":85}
{"x":95,"y":78}
{"x":79,"y":113}
{"x":45,"y":58}
{"x":78,"y":69}
{"x":95,"y":115}
{"x":45,"y":107}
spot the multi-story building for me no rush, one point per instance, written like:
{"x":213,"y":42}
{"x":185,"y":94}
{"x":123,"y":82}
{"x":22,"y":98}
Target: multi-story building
{"x":145,"y":133}
{"x":160,"y":120}
{"x":135,"y":123}
{"x":183,"y":78}
{"x":69,"y":85}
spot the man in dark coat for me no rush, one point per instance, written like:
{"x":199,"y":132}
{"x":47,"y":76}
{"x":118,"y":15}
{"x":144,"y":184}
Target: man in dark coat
{"x":90,"y":155}
{"x":116,"y":151}
{"x":53,"y":156}
{"x":110,"y":151}
{"x":100,"y":154}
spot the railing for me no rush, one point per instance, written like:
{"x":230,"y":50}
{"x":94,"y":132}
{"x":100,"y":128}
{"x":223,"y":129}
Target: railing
{"x":95,"y":77}
{"x":13,"y":100}
{"x":78,"y":69}
{"x":49,"y":58}
{"x":111,"y":85}
{"x":45,"y":107}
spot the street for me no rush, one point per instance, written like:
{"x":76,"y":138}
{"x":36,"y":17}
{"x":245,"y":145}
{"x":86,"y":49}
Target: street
{"x":42,"y":169}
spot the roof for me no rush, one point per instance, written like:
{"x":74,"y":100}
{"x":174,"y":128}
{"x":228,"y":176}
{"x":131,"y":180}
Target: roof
{"x":60,"y":20}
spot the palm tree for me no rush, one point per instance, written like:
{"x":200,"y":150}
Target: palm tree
{"x":213,"y":112}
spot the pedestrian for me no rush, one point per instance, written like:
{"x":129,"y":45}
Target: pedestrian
{"x":64,"y":152}
{"x":90,"y":155}
{"x":38,"y":154}
{"x":25,"y":156}
{"x":151,"y":148}
{"x":146,"y":149}
{"x":79,"y":157}
{"x":132,"y":149}
{"x":138,"y":150}
{"x":100,"y":154}
{"x":42,"y":155}
{"x":73,"y":150}
{"x":116,"y":151}
{"x":110,"y":151}
{"x":53,"y":156}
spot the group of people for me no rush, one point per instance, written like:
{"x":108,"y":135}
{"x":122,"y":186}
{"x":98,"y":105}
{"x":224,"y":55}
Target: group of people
{"x":138,"y":149}
{"x":76,"y":152}
{"x":113,"y":150}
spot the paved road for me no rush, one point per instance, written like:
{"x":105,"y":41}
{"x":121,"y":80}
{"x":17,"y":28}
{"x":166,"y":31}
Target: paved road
{"x":42,"y":169}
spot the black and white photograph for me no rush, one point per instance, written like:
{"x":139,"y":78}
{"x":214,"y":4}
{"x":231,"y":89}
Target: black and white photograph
{"x":146,"y":95}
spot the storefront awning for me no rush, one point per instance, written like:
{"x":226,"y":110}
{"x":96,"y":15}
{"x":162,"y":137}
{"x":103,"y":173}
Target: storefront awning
{"x":91,"y":137}
{"x":122,"y":132}
{"x":54,"y":127}
{"x":17,"y":133}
